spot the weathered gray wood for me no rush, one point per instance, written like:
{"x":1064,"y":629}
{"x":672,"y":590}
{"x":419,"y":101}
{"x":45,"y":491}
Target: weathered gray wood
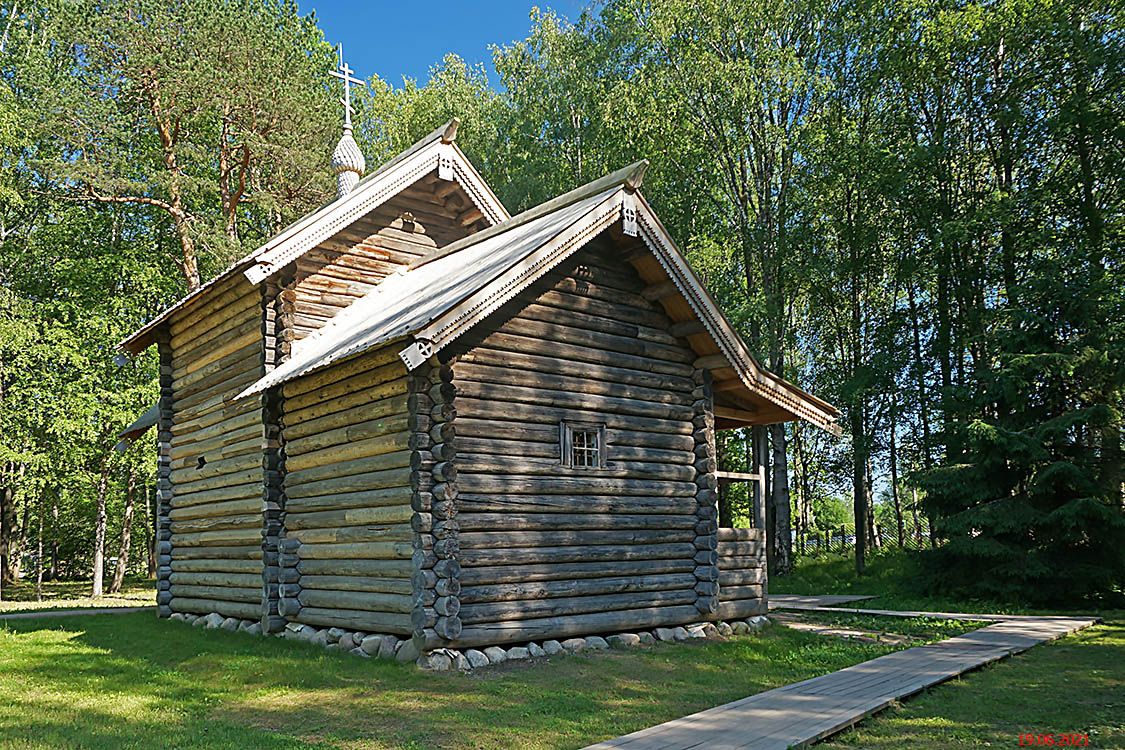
{"x":366,"y":601}
{"x":571,"y":504}
{"x":529,"y":590}
{"x":397,"y":567}
{"x":514,"y":631}
{"x":397,"y":585}
{"x":521,"y":573}
{"x":377,"y":622}
{"x":533,"y":555}
{"x":484,"y":540}
{"x":570,"y":521}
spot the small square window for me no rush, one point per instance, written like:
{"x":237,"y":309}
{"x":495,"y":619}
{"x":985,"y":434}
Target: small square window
{"x":583,"y":445}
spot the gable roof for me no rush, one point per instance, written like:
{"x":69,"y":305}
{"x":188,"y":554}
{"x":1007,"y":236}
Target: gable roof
{"x":437,"y":150}
{"x":441,"y":297}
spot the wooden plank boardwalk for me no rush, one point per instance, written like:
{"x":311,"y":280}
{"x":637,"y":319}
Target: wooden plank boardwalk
{"x":800,"y":714}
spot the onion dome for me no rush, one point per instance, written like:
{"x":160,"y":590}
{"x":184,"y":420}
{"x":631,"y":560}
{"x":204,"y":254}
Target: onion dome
{"x":348,"y":164}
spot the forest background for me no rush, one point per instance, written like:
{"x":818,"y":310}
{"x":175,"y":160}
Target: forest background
{"x":912,"y":209}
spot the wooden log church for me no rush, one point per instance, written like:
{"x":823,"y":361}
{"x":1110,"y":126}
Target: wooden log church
{"x":411,"y":413}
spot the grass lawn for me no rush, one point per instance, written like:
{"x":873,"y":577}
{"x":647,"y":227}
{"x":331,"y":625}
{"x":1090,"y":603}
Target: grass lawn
{"x":1075,"y":685}
{"x":20,"y":597}
{"x":118,"y":681}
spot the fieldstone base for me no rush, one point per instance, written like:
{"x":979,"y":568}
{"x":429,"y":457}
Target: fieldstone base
{"x":383,"y":646}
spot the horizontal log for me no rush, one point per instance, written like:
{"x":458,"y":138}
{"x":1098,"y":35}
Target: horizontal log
{"x":237,"y":580}
{"x":733,"y":610}
{"x":380,"y":401}
{"x":481,"y":540}
{"x":473,"y":379}
{"x":398,"y":568}
{"x":204,"y":426}
{"x":571,"y":521}
{"x":741,"y":577}
{"x":229,"y":537}
{"x":376,"y":376}
{"x":356,"y":600}
{"x":216,"y":523}
{"x":369,"y":622}
{"x":218,"y":566}
{"x":358,"y":550}
{"x":187,"y":485}
{"x":610,"y":376}
{"x":742,"y":563}
{"x":548,"y":433}
{"x":223,"y":467}
{"x":664,"y":358}
{"x":243,"y":610}
{"x":182,"y":498}
{"x":569,"y":504}
{"x":492,"y":409}
{"x":369,"y":533}
{"x":515,"y":631}
{"x":218,"y":296}
{"x":528,"y":590}
{"x":739,"y":549}
{"x":533,"y":344}
{"x":211,"y":510}
{"x":236,"y":444}
{"x":727,"y":534}
{"x":350,"y":453}
{"x":308,"y":448}
{"x":731,"y":593}
{"x":617,"y":401}
{"x":522,"y":573}
{"x":232,"y":552}
{"x":380,"y":498}
{"x":527,"y":609}
{"x":222,"y":593}
{"x":609,"y":325}
{"x":531,"y":466}
{"x":486,"y":484}
{"x":204,"y":373}
{"x":347,"y":517}
{"x":344,"y":469}
{"x":531,"y":555}
{"x":357,"y":583}
{"x":399,"y":477}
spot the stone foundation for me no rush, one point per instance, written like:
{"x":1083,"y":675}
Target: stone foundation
{"x":385,"y":646}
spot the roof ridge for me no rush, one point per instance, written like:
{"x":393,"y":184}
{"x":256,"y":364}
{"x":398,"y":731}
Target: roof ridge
{"x":631,"y":177}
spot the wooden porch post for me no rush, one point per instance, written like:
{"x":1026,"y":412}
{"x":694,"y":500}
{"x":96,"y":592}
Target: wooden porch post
{"x":758,"y":451}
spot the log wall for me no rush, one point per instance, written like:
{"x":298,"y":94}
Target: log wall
{"x":552,"y":551}
{"x":346,"y":542}
{"x":742,"y":573}
{"x":416,"y":222}
{"x":215,"y":455}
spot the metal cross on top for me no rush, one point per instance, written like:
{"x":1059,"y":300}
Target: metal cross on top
{"x":345,"y":75}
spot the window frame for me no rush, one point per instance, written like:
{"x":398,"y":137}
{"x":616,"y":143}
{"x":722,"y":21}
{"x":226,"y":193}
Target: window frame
{"x":566,"y":443}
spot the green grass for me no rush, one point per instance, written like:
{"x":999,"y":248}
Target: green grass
{"x":118,"y":681}
{"x":20,"y":597}
{"x":1073,"y":685}
{"x":1076,"y":685}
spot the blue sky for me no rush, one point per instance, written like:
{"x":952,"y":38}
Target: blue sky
{"x":396,"y":39}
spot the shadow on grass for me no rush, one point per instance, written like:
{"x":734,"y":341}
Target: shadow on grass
{"x":132,"y":680}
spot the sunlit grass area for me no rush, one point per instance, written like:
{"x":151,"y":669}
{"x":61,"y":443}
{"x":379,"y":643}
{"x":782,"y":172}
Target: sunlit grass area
{"x":21,"y":597}
{"x":1072,"y":686}
{"x":135,"y":681}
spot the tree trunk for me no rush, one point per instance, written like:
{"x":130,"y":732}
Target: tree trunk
{"x":53,"y":573}
{"x":782,"y":513}
{"x":126,"y":535}
{"x":39,"y":557}
{"x":859,"y":489}
{"x":150,"y":530}
{"x":894,"y":474}
{"x":99,"y":531}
